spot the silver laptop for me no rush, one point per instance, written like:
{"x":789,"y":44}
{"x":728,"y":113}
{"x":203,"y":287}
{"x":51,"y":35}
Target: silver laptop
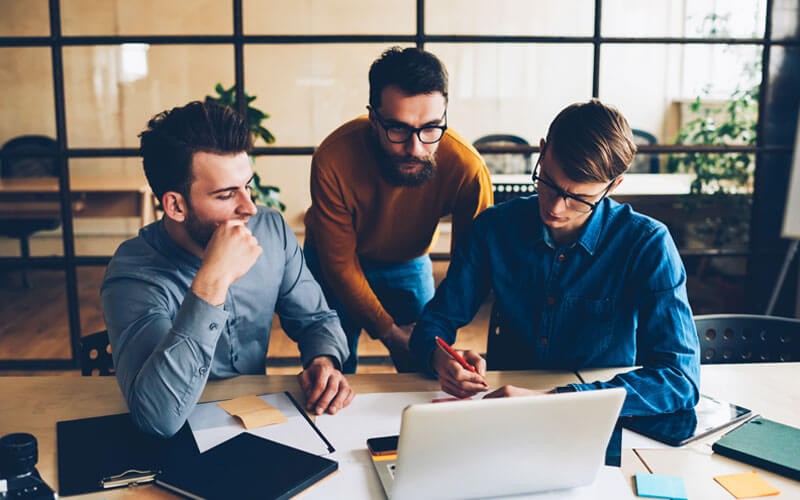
{"x":494,"y":447}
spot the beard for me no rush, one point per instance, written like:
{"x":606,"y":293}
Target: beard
{"x":200,"y":232}
{"x":392,"y":168}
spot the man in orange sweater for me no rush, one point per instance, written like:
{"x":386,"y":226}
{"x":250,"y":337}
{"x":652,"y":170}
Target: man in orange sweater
{"x":379,"y":185}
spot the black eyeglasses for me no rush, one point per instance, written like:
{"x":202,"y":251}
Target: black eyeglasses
{"x":551,"y":193}
{"x":399,"y":133}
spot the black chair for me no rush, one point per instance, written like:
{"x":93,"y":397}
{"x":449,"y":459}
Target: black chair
{"x":505,"y":349}
{"x":95,"y":356}
{"x":505,"y":163}
{"x":747,"y":338}
{"x":642,"y":163}
{"x":28,"y":156}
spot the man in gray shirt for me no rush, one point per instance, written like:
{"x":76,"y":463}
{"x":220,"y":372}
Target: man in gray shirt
{"x":193,"y":296}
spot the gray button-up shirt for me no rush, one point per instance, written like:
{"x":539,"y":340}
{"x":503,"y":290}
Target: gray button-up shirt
{"x":167,"y":342}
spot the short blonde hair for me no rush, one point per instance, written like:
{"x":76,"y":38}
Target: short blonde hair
{"x":591,"y":141}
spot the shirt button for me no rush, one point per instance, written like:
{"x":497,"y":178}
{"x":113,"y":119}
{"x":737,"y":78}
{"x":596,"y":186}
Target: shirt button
{"x":551,"y":300}
{"x":202,"y":370}
{"x":543,"y":340}
{"x":212,"y":326}
{"x":562,"y":257}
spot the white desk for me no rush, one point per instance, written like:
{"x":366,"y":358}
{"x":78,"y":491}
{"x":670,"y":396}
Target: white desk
{"x":35,"y":404}
{"x":769,"y":389}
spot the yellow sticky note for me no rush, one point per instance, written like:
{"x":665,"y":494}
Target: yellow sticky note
{"x":746,"y":485}
{"x":253,"y":411}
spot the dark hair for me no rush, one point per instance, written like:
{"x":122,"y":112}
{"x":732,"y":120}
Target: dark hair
{"x":413,"y":70}
{"x":173,"y":137}
{"x":591,"y":141}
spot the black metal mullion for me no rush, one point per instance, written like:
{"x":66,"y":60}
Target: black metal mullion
{"x":596,"y":43}
{"x":67,"y":231}
{"x":238,"y":56}
{"x":419,"y":37}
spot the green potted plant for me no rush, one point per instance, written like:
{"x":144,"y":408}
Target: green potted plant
{"x":720,"y":195}
{"x":262,"y":193}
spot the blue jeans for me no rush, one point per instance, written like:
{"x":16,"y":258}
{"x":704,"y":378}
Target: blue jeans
{"x":402,"y":288}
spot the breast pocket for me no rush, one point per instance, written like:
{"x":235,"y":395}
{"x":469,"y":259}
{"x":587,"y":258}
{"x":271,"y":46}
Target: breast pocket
{"x":584,"y":330}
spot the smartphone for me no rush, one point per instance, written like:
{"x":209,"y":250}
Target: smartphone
{"x":386,"y":445}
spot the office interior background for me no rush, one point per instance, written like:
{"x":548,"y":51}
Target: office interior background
{"x":712,"y":88}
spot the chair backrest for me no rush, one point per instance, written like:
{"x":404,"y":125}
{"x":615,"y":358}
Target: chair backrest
{"x":747,"y":338}
{"x":29,"y":156}
{"x":642,"y":163}
{"x":96,"y":355}
{"x":505,"y":350}
{"x":505,"y":163}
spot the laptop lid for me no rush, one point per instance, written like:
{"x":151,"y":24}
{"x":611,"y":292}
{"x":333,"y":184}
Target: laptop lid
{"x":508,"y":446}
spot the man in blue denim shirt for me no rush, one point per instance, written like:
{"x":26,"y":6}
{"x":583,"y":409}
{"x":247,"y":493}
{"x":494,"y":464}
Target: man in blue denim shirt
{"x":580,"y":280}
{"x":193,"y":296}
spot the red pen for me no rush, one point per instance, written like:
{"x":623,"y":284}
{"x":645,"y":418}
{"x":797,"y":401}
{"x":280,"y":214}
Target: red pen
{"x":453,"y":354}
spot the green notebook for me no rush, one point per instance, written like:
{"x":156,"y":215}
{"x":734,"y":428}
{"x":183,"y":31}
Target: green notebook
{"x":766,"y":444}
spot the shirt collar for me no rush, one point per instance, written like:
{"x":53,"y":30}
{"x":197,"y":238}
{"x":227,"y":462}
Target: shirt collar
{"x":592,"y":230}
{"x":156,"y":235}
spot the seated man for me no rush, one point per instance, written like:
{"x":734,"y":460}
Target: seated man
{"x":379,"y":185}
{"x":193,"y":296}
{"x":580,"y":280}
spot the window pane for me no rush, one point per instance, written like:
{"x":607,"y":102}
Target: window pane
{"x":510,"y":17}
{"x":323,"y":17}
{"x":112,"y":91}
{"x":291,"y":175}
{"x":34,"y":320}
{"x":147,"y":17}
{"x":315,"y":89}
{"x":785,"y":16}
{"x":25,"y":18}
{"x":656,"y":87}
{"x":513,"y":88}
{"x":114,"y":203}
{"x":679,"y":18}
{"x":27,"y":96}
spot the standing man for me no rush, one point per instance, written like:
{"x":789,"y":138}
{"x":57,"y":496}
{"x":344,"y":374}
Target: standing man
{"x":379,"y":185}
{"x":193,"y":296}
{"x":580,"y":280}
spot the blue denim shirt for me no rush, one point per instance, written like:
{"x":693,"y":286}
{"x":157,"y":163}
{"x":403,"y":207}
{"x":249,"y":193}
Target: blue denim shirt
{"x":167,"y":342}
{"x":616,"y":297}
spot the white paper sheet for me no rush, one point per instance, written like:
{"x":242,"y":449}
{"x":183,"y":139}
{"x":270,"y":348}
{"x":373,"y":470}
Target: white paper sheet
{"x":211,"y":425}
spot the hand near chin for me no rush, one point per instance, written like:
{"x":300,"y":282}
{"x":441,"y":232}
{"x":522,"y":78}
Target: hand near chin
{"x":230,"y":253}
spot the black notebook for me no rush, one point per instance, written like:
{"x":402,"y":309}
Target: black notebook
{"x":97,"y":453}
{"x":246,"y":466}
{"x":764,"y":443}
{"x":110,"y":451}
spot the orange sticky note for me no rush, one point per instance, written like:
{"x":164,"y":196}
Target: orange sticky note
{"x":746,"y":485}
{"x":253,"y":411}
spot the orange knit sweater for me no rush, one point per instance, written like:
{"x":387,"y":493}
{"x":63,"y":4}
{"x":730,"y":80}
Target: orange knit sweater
{"x":356,"y":213}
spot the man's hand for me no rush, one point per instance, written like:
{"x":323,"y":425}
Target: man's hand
{"x":325,"y":387}
{"x":512,"y":391}
{"x":230,"y":253}
{"x":397,"y":343}
{"x":454,"y":378}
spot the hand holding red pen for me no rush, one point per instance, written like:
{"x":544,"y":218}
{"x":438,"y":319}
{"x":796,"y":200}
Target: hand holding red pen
{"x":460,"y":372}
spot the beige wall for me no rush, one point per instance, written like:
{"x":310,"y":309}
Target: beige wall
{"x":308,"y":90}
